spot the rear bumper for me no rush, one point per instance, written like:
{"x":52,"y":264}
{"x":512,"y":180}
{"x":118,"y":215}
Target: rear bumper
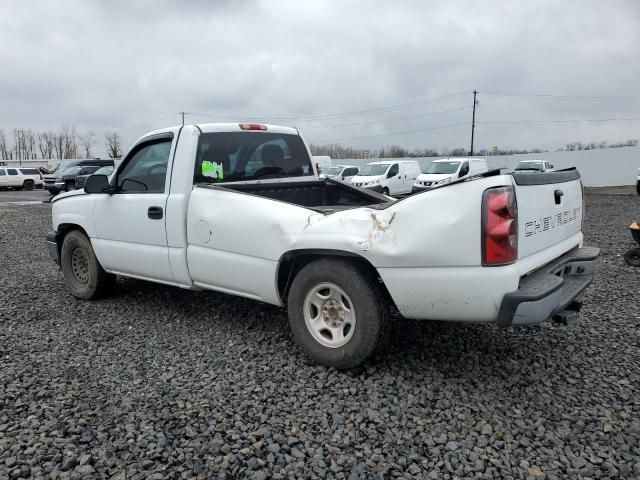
{"x":550,"y":290}
{"x":53,"y":246}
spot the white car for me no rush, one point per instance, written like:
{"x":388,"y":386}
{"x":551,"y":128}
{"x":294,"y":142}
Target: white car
{"x":388,"y":177}
{"x":446,"y":170}
{"x":238,"y":208}
{"x":20,"y":177}
{"x":535,"y":166}
{"x":340,"y":172}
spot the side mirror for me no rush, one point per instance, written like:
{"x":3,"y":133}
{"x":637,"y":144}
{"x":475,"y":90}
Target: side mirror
{"x":551,"y":166}
{"x":98,"y":184}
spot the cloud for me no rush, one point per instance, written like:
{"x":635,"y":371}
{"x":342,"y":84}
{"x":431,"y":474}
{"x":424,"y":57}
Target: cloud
{"x":118,"y":65}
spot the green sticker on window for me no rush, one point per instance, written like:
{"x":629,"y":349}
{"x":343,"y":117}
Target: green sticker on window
{"x":213,"y":170}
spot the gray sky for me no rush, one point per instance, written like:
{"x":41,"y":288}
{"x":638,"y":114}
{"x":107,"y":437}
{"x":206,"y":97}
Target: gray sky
{"x":131,"y":66}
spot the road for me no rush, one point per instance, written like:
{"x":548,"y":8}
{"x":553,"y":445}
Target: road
{"x":24,"y":196}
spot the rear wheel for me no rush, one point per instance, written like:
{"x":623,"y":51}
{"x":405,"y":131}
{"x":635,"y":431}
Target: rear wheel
{"x":336,"y":314}
{"x":83,"y":274}
{"x":28,"y":184}
{"x":632,"y":257}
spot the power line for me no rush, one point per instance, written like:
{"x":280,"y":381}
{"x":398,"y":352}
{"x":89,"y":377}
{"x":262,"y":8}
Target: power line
{"x":370,"y":111}
{"x":148,"y":123}
{"x":577,"y":120}
{"x":561,"y":97}
{"x":393,"y":119}
{"x":395,"y":133}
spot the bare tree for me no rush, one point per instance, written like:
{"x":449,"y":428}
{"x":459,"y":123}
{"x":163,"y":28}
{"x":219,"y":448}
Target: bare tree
{"x":87,"y":141}
{"x":113,"y":145}
{"x":70,"y":141}
{"x":46,"y":142}
{"x":5,"y":150}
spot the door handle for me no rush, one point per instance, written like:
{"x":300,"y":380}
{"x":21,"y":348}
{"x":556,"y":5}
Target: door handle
{"x":558,"y":196}
{"x":154,"y":213}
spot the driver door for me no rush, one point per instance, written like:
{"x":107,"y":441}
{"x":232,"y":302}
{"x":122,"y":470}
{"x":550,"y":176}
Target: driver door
{"x":130,"y":224}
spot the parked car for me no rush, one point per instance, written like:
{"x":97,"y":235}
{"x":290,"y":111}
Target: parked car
{"x":65,"y":177}
{"x":533,"y":166}
{"x":20,"y":178}
{"x":81,"y":179}
{"x":446,"y":170}
{"x":340,"y":172}
{"x":388,"y":177}
{"x":182,"y":209}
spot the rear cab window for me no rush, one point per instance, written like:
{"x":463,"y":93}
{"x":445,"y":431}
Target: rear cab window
{"x":245,"y":156}
{"x":29,"y":171}
{"x":12,"y":171}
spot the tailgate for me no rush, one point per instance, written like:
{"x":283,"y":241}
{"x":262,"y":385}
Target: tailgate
{"x":549,"y":209}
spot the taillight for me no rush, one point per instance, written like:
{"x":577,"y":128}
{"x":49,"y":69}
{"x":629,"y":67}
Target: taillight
{"x":252,"y":126}
{"x":499,"y":226}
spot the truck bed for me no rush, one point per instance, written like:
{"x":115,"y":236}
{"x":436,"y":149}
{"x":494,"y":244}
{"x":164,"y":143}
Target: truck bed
{"x":319,"y":194}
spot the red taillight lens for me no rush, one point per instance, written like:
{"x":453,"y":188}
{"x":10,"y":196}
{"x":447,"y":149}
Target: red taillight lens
{"x":499,"y":226}
{"x":252,"y":126}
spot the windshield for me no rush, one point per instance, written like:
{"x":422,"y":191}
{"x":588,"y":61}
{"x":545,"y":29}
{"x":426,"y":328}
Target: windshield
{"x":333,"y":171}
{"x":104,"y":171}
{"x":71,"y":171}
{"x":373,"y":169}
{"x":442,"y":167}
{"x":233,"y":156}
{"x":530,"y":166}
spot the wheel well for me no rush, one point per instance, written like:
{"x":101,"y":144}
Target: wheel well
{"x":292,"y":262}
{"x":64,"y":229}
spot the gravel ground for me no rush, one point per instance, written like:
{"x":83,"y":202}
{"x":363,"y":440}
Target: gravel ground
{"x":162,"y":383}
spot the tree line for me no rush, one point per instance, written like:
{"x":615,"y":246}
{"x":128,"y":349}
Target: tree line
{"x":337,"y":151}
{"x":64,"y":143}
{"x":396,"y":151}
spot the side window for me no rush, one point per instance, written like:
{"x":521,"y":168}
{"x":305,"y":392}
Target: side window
{"x":464,"y":170}
{"x":351,"y":172}
{"x":393,"y":171}
{"x":2,"y":173}
{"x":146,"y":171}
{"x":12,"y":171}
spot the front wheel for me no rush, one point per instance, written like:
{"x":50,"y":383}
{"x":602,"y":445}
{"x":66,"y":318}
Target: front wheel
{"x":336,"y":314}
{"x":83,"y":274}
{"x":385,"y":191}
{"x":632,"y":257}
{"x":28,"y":184}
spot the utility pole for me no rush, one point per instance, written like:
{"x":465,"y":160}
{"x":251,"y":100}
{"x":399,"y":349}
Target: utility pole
{"x":182,"y":113}
{"x":473,"y":120}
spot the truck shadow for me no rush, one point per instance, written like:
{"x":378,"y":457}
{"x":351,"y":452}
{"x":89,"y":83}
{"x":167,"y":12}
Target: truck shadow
{"x":449,"y":349}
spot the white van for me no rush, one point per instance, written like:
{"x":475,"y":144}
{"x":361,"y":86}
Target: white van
{"x":446,"y":170}
{"x":340,"y":172}
{"x":388,"y":177}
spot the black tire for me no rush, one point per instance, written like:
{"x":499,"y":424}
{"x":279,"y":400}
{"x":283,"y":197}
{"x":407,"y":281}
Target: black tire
{"x":28,"y":184}
{"x":632,"y":257}
{"x":83,"y":274}
{"x":367,"y":301}
{"x":68,"y":186}
{"x":385,"y":191}
{"x":638,"y":187}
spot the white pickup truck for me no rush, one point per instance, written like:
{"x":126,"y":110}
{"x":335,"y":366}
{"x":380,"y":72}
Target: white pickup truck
{"x":239,"y":208}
